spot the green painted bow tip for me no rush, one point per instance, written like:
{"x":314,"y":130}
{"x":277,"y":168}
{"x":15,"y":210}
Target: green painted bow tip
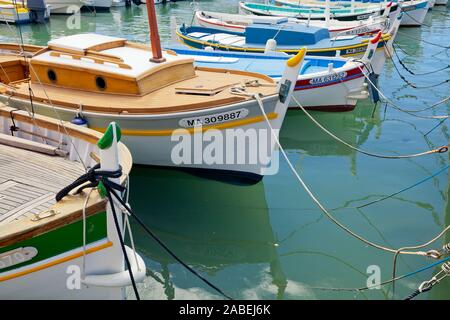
{"x":102,"y":190}
{"x":107,"y":139}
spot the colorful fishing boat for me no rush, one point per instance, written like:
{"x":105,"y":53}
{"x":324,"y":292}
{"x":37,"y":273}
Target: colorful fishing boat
{"x":323,"y":84}
{"x":238,"y":22}
{"x":159,"y":99}
{"x":316,"y":12}
{"x":53,"y":245}
{"x":415,"y":10}
{"x":260,"y":38}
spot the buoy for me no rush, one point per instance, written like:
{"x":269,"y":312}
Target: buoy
{"x":271,"y":46}
{"x":209,"y":48}
{"x":79,"y":120}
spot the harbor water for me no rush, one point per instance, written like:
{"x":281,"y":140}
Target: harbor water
{"x":269,"y":240}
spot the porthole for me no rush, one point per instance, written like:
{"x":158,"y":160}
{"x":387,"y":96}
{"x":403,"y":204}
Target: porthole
{"x":51,"y":75}
{"x":101,"y":83}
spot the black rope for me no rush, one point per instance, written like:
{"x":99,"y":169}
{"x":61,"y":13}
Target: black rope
{"x":415,"y":73}
{"x":122,"y":244}
{"x":170,"y":252}
{"x":417,"y":292}
{"x":94,"y":177}
{"x":412,"y":85}
{"x":425,"y":41}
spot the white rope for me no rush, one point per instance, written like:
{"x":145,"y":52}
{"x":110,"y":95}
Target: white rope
{"x":324,"y":210}
{"x":83,"y":273}
{"x":360,"y":150}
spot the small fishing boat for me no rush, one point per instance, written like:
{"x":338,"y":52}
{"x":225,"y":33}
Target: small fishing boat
{"x":323,"y":84}
{"x":441,"y":2}
{"x":238,"y":22}
{"x":287,"y":38}
{"x":316,"y":12}
{"x":19,"y":13}
{"x":55,"y":245}
{"x":161,"y":101}
{"x":415,"y":10}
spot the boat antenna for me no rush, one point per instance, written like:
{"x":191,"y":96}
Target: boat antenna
{"x":154,"y":34}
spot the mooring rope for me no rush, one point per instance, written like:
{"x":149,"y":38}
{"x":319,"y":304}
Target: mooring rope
{"x":325,"y":211}
{"x":421,"y":40}
{"x":409,"y":83}
{"x":395,"y":106}
{"x":412,"y":72}
{"x":392,"y":280}
{"x":442,"y":149}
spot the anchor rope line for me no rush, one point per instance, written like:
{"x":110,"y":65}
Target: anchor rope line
{"x":93,"y":178}
{"x":409,"y":83}
{"x":392,"y":280}
{"x":413,"y":72}
{"x":395,"y":106}
{"x":321,"y":206}
{"x":415,"y":20}
{"x":428,"y":285}
{"x":421,"y":40}
{"x":441,"y":149}
{"x":164,"y":246}
{"x":395,"y":193}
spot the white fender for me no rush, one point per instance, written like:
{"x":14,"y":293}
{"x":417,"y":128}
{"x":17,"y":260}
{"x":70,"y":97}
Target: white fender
{"x":119,"y":279}
{"x":271,"y":46}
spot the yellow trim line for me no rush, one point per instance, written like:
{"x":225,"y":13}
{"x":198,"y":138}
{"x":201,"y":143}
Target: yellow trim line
{"x":169,"y":132}
{"x":385,"y":38}
{"x":56,"y":262}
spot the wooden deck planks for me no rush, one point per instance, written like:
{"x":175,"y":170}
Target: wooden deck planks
{"x":30,"y":180}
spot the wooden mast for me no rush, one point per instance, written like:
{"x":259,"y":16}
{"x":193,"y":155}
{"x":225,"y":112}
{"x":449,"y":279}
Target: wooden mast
{"x":154,"y":34}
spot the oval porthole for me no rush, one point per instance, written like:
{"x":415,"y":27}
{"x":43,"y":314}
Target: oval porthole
{"x":51,"y":75}
{"x":101,"y":83}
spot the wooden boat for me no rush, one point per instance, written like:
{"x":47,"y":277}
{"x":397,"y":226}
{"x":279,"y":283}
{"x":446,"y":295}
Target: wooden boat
{"x":42,"y":252}
{"x":238,"y":22}
{"x":259,"y":38}
{"x":17,"y":12}
{"x":316,"y":11}
{"x":414,"y":10}
{"x":325,"y":84}
{"x":156,"y":101}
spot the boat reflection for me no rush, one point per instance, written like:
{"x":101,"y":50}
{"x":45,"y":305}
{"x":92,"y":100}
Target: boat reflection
{"x":209,"y":225}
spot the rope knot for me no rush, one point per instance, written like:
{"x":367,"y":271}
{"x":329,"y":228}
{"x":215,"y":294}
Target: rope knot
{"x":91,"y":179}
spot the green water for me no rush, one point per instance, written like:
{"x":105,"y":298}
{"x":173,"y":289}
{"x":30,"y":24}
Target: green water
{"x":269,"y":240}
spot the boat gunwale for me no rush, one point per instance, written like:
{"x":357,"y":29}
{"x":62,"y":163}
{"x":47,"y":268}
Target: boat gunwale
{"x":70,"y":208}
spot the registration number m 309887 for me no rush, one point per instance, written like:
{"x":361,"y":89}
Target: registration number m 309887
{"x":213,"y":119}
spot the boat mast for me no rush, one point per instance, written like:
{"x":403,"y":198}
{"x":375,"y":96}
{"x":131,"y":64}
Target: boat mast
{"x":154,"y":34}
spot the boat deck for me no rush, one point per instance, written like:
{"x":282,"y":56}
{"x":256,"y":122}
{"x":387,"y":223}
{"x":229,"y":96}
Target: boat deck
{"x":29,"y":181}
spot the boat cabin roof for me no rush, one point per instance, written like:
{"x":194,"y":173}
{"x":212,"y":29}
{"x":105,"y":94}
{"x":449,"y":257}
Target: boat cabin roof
{"x":287,"y":34}
{"x":116,"y":55}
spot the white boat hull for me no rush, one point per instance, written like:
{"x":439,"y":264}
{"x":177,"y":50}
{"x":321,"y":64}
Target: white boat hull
{"x":64,"y":6}
{"x":148,"y":137}
{"x":414,"y":14}
{"x":441,"y":2}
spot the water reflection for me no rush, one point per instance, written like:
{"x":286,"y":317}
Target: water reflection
{"x":210,"y":225}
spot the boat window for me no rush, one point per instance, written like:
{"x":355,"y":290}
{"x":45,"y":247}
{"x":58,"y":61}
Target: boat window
{"x":101,"y":83}
{"x":51,"y":75}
